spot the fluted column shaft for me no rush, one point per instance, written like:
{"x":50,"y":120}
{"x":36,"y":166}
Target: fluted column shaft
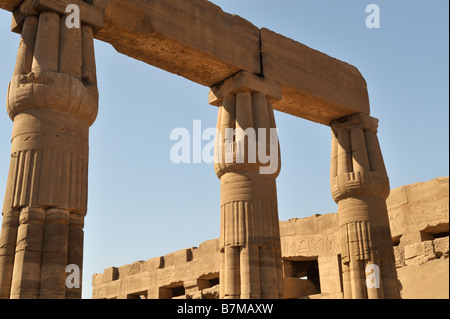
{"x":360,"y":186}
{"x":250,"y":234}
{"x":52,"y":100}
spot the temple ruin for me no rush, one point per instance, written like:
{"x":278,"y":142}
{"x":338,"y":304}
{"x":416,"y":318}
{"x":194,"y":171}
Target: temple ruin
{"x":311,"y":256}
{"x":53,"y":101}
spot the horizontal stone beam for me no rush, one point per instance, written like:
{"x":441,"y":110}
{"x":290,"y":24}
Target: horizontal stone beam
{"x":197,"y":40}
{"x":315,"y":86}
{"x":9,"y":5}
{"x":194,"y":39}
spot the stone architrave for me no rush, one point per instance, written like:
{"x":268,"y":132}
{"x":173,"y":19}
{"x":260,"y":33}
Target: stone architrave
{"x":197,"y":40}
{"x":250,"y":234}
{"x":52,"y":100}
{"x":360,"y":187}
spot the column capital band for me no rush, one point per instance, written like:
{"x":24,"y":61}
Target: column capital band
{"x":247,"y":82}
{"x":358,"y":120}
{"x":91,"y":12}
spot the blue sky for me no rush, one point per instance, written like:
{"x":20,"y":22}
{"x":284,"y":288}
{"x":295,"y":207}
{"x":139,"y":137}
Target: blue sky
{"x":141,"y":205}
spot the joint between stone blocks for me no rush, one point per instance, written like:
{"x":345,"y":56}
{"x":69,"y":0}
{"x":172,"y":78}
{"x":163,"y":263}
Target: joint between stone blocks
{"x":245,"y":81}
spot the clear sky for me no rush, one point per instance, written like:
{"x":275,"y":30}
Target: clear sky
{"x":142,"y":205}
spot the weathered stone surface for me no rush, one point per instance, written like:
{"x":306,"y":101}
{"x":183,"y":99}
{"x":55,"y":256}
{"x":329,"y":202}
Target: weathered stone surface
{"x":422,"y":267}
{"x":309,"y":237}
{"x":426,"y":281}
{"x":211,"y":293}
{"x":330,"y":275}
{"x":419,"y":253}
{"x":295,"y":287}
{"x":9,"y":5}
{"x":180,"y":275}
{"x":110,"y":274}
{"x":399,"y":254}
{"x":202,"y":48}
{"x":419,"y":210}
{"x":315,"y":86}
{"x":193,"y":39}
{"x":441,"y":247}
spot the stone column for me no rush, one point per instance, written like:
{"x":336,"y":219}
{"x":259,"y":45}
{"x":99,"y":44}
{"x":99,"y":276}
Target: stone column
{"x":52,"y":100}
{"x":360,"y":187}
{"x":250,"y":235}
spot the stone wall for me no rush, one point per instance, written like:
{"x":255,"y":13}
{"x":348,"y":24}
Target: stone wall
{"x":192,"y":273}
{"x":423,"y":269}
{"x":419,"y":218}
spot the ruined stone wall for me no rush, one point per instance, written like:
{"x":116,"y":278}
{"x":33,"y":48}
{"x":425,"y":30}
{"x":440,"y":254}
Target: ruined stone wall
{"x":190,"y":272}
{"x":419,"y":219}
{"x":419,"y":216}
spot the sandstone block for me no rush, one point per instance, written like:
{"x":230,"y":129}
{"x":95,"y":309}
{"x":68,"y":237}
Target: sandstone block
{"x":420,"y":207}
{"x":178,"y":257}
{"x":427,"y":281}
{"x":419,"y":253}
{"x":295,"y":287}
{"x":155,"y":263}
{"x":190,"y":286}
{"x":330,"y":278}
{"x":316,"y":224}
{"x":411,"y":237}
{"x":9,"y":5}
{"x":399,"y":255}
{"x":197,"y":40}
{"x":97,"y":279}
{"x":315,"y":86}
{"x":196,"y":295}
{"x":211,"y":293}
{"x":208,"y":249}
{"x":441,"y":247}
{"x":194,"y":39}
{"x":110,"y":274}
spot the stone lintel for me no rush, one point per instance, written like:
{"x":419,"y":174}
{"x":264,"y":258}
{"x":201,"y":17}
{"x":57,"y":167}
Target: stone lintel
{"x":200,"y":42}
{"x":316,"y":86}
{"x":9,"y":5}
{"x":244,"y":81}
{"x":90,"y":14}
{"x":194,"y":39}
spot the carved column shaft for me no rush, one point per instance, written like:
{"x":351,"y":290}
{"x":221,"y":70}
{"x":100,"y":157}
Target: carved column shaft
{"x":53,"y":100}
{"x":250,"y":234}
{"x":360,"y":186}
